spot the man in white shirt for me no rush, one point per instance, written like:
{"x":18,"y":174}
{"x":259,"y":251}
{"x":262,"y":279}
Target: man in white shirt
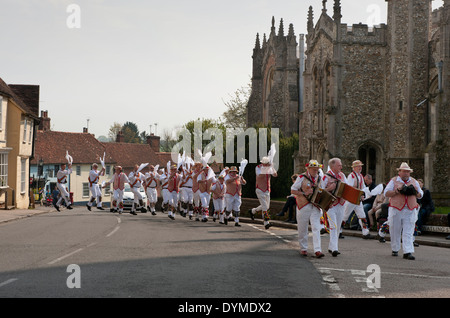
{"x":61,"y":177}
{"x":94,"y":188}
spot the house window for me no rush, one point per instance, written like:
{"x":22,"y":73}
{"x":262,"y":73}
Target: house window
{"x":3,"y":169}
{"x":78,"y":170}
{"x":108,"y":170}
{"x":25,"y":126}
{"x":85,"y":189}
{"x":23,"y":175}
{"x":30,"y":133}
{"x":1,"y":112}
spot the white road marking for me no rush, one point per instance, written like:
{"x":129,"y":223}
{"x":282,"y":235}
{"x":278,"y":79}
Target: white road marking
{"x":65,"y":256}
{"x":9,"y":281}
{"x":113,"y":231}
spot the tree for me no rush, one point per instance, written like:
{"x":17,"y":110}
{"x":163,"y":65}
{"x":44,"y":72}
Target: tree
{"x":131,"y":133}
{"x":113,"y":131}
{"x":236,"y":114}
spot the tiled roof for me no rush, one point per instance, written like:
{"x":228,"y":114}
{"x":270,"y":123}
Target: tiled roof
{"x":51,"y":147}
{"x":128,"y":154}
{"x":11,"y":92}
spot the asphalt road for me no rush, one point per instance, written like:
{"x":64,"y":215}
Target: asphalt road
{"x":148,"y":256}
{"x":154,"y":257}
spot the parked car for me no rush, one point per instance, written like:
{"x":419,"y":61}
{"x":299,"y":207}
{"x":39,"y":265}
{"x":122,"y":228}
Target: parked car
{"x":128,"y":197}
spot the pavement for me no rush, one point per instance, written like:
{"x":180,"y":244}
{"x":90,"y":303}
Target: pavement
{"x":429,"y":239}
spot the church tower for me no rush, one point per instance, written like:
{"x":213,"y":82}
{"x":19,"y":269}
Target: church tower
{"x":407,"y":81}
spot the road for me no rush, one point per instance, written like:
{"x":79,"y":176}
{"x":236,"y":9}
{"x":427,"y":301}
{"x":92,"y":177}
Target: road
{"x":154,"y":257}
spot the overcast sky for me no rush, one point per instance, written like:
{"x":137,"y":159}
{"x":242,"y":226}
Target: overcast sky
{"x":164,"y":62}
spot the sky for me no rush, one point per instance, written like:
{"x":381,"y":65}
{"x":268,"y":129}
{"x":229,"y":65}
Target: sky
{"x":144,"y":61}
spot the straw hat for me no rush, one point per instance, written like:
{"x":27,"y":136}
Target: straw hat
{"x":404,"y":166}
{"x":233,"y":169}
{"x":357,"y":163}
{"x":265,"y":160}
{"x":313,"y":164}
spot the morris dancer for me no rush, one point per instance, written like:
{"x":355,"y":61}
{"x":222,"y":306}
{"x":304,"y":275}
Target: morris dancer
{"x":136,"y":178}
{"x":356,"y":180}
{"x":336,"y":212}
{"x":187,"y":196}
{"x":94,"y":188}
{"x":234,"y":183}
{"x":151,"y":182}
{"x":204,"y":183}
{"x":118,"y":181}
{"x":164,"y":181}
{"x":61,"y":177}
{"x":307,"y":212}
{"x":264,"y":172}
{"x":218,"y":190}
{"x":173,"y":188}
{"x":403,"y":192}
{"x":197,"y":169}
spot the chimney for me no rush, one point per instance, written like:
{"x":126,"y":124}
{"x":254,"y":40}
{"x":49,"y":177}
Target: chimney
{"x":85,"y":130}
{"x":44,"y":124}
{"x":120,"y":137}
{"x":154,"y":142}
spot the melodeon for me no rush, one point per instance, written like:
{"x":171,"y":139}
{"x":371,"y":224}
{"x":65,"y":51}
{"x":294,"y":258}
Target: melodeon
{"x":348,"y":193}
{"x":322,"y":199}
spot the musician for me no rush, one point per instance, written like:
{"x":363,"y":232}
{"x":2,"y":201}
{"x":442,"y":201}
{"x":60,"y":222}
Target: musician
{"x":264,"y":172}
{"x":173,"y":182}
{"x":61,"y":178}
{"x":403,"y":192}
{"x":151,"y":182}
{"x":204,"y":184}
{"x":136,"y":178}
{"x":356,"y":180}
{"x":330,"y":181}
{"x":303,"y":188}
{"x":96,"y":192}
{"x":118,"y":180}
{"x":234,"y":183}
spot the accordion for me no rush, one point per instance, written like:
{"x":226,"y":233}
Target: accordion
{"x":408,"y":190}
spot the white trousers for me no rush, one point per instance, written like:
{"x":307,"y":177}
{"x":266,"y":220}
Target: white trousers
{"x":152,"y":195}
{"x":401,"y":229}
{"x":309,"y":213}
{"x":118,"y":199}
{"x":187,"y":196}
{"x":335,"y":217}
{"x":64,"y":194}
{"x":232,"y":202}
{"x":96,"y":193}
{"x":165,"y":195}
{"x":264,"y":201}
{"x":219,"y":205}
{"x":359,"y":211}
{"x":173,"y":198}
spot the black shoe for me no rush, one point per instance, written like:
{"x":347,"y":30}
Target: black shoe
{"x":268,"y":225}
{"x":57,"y":208}
{"x":100,"y":208}
{"x":252,"y":216}
{"x":134,"y":213}
{"x":153,"y":213}
{"x":335,"y":253}
{"x":409,"y":256}
{"x":88,"y":207}
{"x":225,"y":221}
{"x":69,"y":207}
{"x":341,"y":236}
{"x":237,"y":224}
{"x":394,"y":253}
{"x":382,"y":240}
{"x":416,"y":244}
{"x":368,"y":236}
